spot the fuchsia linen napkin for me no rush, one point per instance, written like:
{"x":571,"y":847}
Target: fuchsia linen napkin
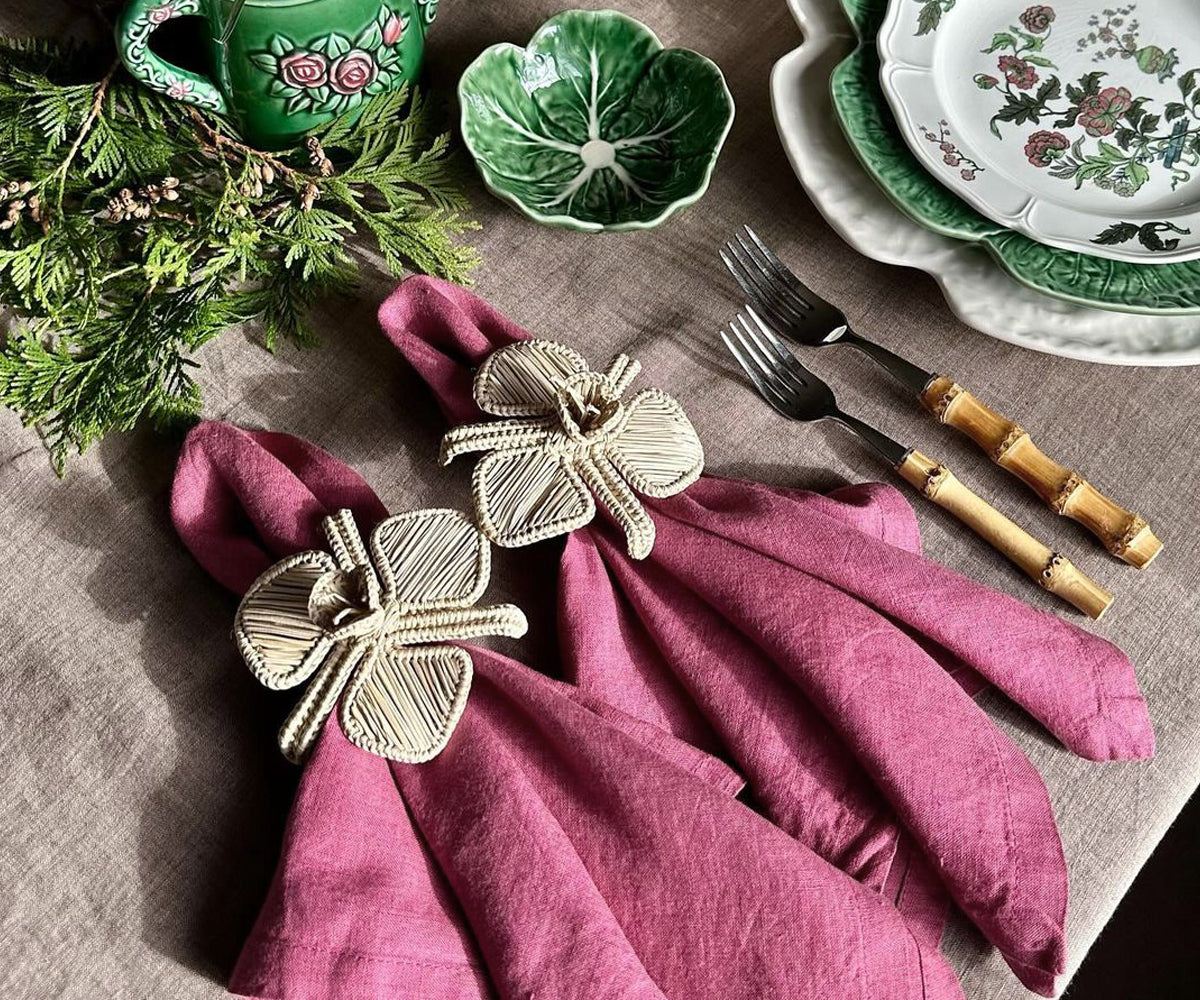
{"x":807,"y":639}
{"x":557,"y":848}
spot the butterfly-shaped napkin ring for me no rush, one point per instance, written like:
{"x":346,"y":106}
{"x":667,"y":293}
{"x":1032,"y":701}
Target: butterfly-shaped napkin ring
{"x":373,"y":625}
{"x":574,"y":438}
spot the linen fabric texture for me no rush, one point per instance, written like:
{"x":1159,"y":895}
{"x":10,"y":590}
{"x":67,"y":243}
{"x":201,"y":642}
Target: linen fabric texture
{"x":558,"y":847}
{"x":805,"y":639}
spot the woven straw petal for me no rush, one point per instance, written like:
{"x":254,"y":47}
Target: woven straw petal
{"x":281,"y":644}
{"x":520,"y":381}
{"x":432,"y":559}
{"x":405,"y":702}
{"x":658,"y":451}
{"x":522,"y":497}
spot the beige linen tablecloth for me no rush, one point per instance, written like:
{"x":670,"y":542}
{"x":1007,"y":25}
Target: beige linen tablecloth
{"x":143,"y":795}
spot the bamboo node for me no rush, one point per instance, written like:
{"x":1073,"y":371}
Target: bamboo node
{"x":1009,"y":441}
{"x":935,"y":480}
{"x":942,"y":404}
{"x":1124,"y":542}
{"x":1051,"y":571}
{"x":1071,"y":485}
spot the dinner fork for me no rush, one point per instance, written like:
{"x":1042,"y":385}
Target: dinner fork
{"x":801,"y":314}
{"x":798,"y":394}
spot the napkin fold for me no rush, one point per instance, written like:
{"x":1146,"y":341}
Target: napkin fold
{"x":807,"y":639}
{"x":556,"y":848}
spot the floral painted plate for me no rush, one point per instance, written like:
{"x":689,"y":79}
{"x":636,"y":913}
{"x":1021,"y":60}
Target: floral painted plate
{"x":976,"y":289}
{"x":595,"y":125}
{"x":868,"y":123}
{"x":1076,"y":125}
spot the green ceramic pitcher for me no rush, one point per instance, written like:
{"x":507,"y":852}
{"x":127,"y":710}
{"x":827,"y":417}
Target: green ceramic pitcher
{"x":283,"y":67}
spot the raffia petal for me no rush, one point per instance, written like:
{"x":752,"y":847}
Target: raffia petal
{"x":522,"y":497}
{"x":280,"y":643}
{"x":431,"y":559}
{"x":405,"y":702}
{"x":520,"y":380}
{"x":657,"y":451}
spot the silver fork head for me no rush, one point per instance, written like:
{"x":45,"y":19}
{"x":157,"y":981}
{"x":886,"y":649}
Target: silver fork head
{"x":790,"y":304}
{"x":777,"y":374}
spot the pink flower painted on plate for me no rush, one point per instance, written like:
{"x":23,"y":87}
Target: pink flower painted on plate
{"x":353,"y":72}
{"x":179,"y":90}
{"x":1043,"y":148}
{"x":986,"y":82}
{"x":161,"y":14}
{"x":1037,"y":18}
{"x":1017,"y":71}
{"x":393,"y":31}
{"x":304,"y":69}
{"x":1099,"y":113}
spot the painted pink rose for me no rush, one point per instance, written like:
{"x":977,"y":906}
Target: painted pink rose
{"x":354,"y":71}
{"x":1043,"y":147}
{"x":304,"y":69}
{"x":161,"y":14}
{"x":393,"y":30}
{"x":179,"y":90}
{"x":1099,"y":113}
{"x":1037,"y":19}
{"x":1018,"y":72}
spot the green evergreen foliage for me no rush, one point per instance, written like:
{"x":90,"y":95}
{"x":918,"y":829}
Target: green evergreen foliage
{"x":134,"y":229}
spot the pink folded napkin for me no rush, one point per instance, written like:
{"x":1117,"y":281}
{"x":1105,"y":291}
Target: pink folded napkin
{"x":557,"y":848}
{"x":807,"y":639}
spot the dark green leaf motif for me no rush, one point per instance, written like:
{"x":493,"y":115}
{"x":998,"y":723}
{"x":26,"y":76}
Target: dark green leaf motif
{"x":594,"y":125}
{"x":1147,"y":235}
{"x":866,"y":118}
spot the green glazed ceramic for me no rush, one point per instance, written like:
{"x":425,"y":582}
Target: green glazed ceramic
{"x":283,"y":67}
{"x":594,"y":125}
{"x":866,"y":118}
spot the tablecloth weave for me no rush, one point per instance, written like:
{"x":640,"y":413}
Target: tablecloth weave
{"x":144,"y":797}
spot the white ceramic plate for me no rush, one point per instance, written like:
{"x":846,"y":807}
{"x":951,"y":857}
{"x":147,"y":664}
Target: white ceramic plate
{"x":978,"y":292}
{"x":1071,"y":122}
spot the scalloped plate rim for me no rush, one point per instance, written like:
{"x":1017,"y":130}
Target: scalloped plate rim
{"x":569,"y":221}
{"x":985,"y":241}
{"x":820,"y":31}
{"x":890,"y":63}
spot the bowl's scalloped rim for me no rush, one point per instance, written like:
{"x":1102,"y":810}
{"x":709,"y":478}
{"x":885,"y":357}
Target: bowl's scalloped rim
{"x":569,"y":221}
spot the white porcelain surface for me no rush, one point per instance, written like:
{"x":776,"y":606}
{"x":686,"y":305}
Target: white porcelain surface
{"x":979,"y":293}
{"x":1098,"y":152}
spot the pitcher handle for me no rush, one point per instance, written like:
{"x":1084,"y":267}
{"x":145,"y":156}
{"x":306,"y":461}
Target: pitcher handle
{"x":139,"y":21}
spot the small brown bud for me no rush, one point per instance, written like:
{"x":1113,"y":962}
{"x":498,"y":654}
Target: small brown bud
{"x":267,"y":173}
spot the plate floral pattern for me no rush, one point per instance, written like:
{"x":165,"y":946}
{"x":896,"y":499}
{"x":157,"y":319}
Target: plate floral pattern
{"x":1074,"y":100}
{"x":1110,"y":136}
{"x":866,"y":120}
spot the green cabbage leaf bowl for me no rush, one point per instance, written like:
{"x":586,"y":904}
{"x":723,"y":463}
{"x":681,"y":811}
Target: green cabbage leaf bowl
{"x":594,"y":125}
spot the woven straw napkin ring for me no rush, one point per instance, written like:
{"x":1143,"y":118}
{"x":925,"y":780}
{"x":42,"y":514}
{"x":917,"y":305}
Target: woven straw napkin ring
{"x":573,"y":441}
{"x":374,"y":624}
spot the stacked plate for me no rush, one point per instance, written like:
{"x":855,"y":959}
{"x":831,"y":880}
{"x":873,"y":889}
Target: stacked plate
{"x":1041,"y":161}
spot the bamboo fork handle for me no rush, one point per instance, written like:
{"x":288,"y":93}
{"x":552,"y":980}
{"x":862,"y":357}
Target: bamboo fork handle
{"x":1064,"y":491}
{"x":1046,"y":567}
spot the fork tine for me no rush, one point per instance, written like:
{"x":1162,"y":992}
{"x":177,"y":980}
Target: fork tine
{"x":738,"y":272}
{"x":775,"y":358}
{"x":752,"y":371}
{"x":786,"y":357}
{"x":785,"y":272}
{"x":771,"y":372}
{"x":784,"y":383}
{"x":786,"y":288}
{"x":768,"y":291}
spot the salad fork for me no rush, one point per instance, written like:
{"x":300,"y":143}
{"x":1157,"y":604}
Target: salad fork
{"x":800,"y":313}
{"x":794,"y":391}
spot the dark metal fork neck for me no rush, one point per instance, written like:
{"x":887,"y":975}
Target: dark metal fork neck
{"x":893,"y":451}
{"x":913,"y":378}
